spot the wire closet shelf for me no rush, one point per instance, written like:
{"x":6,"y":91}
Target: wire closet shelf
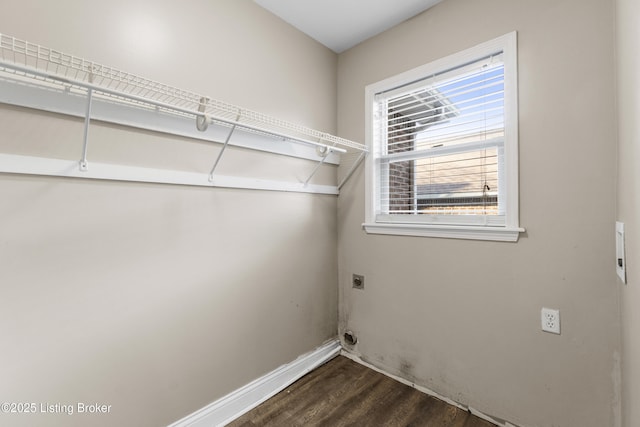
{"x":49,"y":67}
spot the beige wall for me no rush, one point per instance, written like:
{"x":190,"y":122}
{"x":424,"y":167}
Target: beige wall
{"x":234,"y":51}
{"x":463,"y":317}
{"x":159,"y":299}
{"x":628,"y":73}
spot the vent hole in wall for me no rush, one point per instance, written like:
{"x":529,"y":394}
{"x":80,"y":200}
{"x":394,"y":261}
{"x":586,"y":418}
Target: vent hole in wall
{"x":350,"y":338}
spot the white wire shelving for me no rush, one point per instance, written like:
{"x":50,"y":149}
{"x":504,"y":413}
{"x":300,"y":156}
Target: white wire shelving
{"x":47,"y":68}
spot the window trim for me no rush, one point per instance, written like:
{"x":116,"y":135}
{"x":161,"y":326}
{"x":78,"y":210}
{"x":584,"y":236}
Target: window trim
{"x":510,"y":230}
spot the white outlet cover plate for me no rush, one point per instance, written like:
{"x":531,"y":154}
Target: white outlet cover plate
{"x":550,"y":320}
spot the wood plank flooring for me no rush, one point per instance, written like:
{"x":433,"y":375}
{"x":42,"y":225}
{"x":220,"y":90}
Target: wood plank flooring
{"x":345,"y":393}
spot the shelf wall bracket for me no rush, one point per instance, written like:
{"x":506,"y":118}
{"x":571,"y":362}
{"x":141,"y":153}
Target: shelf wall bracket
{"x":202,"y":121}
{"x":224,"y":147}
{"x":323,"y":151}
{"x":84,"y":165}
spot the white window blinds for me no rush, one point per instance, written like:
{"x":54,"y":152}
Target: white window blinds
{"x":441,"y":145}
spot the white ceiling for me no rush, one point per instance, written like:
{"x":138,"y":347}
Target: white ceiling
{"x":341,"y":24}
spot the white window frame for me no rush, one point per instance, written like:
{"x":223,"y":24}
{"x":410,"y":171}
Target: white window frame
{"x":509,"y":230}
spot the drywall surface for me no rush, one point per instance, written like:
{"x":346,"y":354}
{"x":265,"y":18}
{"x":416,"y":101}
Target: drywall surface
{"x":628,"y":73}
{"x":156,"y":300}
{"x":233,"y":51}
{"x":463,"y":317}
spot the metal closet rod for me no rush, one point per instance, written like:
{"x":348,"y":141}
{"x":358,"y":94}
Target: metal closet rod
{"x":209,"y":117}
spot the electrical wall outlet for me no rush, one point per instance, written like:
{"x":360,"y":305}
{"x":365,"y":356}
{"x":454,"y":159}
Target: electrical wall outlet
{"x":358,"y":281}
{"x":550,"y":320}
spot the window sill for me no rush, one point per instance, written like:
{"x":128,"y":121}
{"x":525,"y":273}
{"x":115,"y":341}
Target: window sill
{"x":498,"y":234}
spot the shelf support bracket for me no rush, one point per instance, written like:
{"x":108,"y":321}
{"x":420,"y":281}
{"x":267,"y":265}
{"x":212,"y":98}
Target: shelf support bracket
{"x":202,"y":121}
{"x":84,"y":165}
{"x":224,"y":147}
{"x":323,"y":151}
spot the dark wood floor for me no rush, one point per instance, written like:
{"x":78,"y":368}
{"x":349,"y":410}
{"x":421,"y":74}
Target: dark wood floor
{"x":345,"y":393}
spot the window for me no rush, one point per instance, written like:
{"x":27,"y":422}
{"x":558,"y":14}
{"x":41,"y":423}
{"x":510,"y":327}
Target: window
{"x":444,"y":148}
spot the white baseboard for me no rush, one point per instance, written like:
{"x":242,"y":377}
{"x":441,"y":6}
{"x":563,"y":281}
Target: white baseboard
{"x":233,"y":405}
